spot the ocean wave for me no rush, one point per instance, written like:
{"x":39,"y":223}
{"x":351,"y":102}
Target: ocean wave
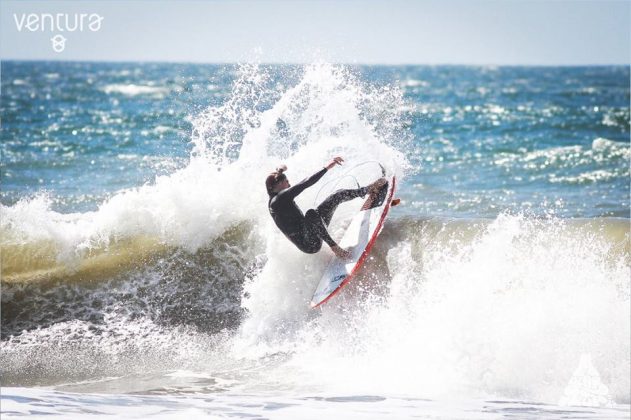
{"x":591,"y":176}
{"x":135,"y":90}
{"x":602,"y":151}
{"x":446,"y":306}
{"x":616,"y":148}
{"x":437,"y":295}
{"x":234,"y":147}
{"x":414,"y":83}
{"x":189,"y":271}
{"x":38,"y":260}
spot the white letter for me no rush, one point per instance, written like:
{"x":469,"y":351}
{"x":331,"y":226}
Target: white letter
{"x":68,"y":27}
{"x":31,"y":22}
{"x":46,"y":16}
{"x":83,"y":16}
{"x":59,"y":16}
{"x":95,"y":22}
{"x":19,"y":24}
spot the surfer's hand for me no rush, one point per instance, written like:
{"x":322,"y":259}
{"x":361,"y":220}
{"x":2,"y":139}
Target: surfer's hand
{"x":336,"y":161}
{"x":342,"y":253}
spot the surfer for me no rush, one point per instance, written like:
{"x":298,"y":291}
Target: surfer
{"x":308,"y":231}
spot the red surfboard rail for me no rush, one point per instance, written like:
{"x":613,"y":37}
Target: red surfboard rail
{"x":369,"y":246}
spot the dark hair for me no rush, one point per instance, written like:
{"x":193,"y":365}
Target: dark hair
{"x":274,"y":178}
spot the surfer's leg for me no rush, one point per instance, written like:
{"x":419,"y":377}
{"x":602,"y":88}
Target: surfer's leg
{"x":316,"y":230}
{"x":328,"y":206}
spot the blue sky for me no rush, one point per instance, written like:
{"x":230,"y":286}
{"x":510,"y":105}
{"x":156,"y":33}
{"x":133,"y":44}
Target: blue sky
{"x":566,"y":32}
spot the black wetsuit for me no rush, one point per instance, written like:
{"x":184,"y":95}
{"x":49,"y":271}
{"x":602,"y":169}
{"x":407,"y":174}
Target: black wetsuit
{"x":309,"y":230}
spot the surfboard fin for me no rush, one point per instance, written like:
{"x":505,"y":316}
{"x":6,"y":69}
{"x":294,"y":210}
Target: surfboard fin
{"x":383,"y":170}
{"x":395,"y":202}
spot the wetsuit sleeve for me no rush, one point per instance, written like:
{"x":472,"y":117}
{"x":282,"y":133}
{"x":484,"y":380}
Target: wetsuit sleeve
{"x":293,"y":191}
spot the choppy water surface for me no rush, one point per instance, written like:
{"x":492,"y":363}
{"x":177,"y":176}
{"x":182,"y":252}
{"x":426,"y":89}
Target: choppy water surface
{"x":483,"y":140}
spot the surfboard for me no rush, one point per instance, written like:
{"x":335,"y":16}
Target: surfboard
{"x":359,"y":238}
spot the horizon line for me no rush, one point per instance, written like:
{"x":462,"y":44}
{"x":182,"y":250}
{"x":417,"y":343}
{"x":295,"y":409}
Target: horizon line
{"x":302,"y":63}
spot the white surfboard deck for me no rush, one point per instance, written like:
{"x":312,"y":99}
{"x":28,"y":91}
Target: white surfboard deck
{"x":359,"y":238}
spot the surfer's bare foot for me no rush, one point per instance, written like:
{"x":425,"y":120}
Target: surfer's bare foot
{"x":342,"y":253}
{"x":373,"y":192}
{"x":376,"y":186}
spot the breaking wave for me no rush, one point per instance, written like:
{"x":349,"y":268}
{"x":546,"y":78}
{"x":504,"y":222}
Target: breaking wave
{"x":188,"y":273}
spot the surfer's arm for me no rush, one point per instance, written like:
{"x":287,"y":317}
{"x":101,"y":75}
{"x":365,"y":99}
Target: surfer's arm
{"x":293,"y":191}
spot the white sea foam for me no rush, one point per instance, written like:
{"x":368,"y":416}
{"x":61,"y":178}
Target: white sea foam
{"x":135,"y":90}
{"x":505,"y":315}
{"x":598,"y":175}
{"x":585,"y":388}
{"x":413,"y":83}
{"x":601,"y":144}
{"x":602,"y":151}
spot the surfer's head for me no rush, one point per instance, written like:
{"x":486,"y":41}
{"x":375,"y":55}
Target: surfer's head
{"x":277,"y":180}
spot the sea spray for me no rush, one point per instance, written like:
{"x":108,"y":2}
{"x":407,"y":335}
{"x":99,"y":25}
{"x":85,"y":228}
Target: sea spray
{"x":506,"y":314}
{"x":328,"y":113}
{"x":183,"y":217}
{"x":585,"y":388}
